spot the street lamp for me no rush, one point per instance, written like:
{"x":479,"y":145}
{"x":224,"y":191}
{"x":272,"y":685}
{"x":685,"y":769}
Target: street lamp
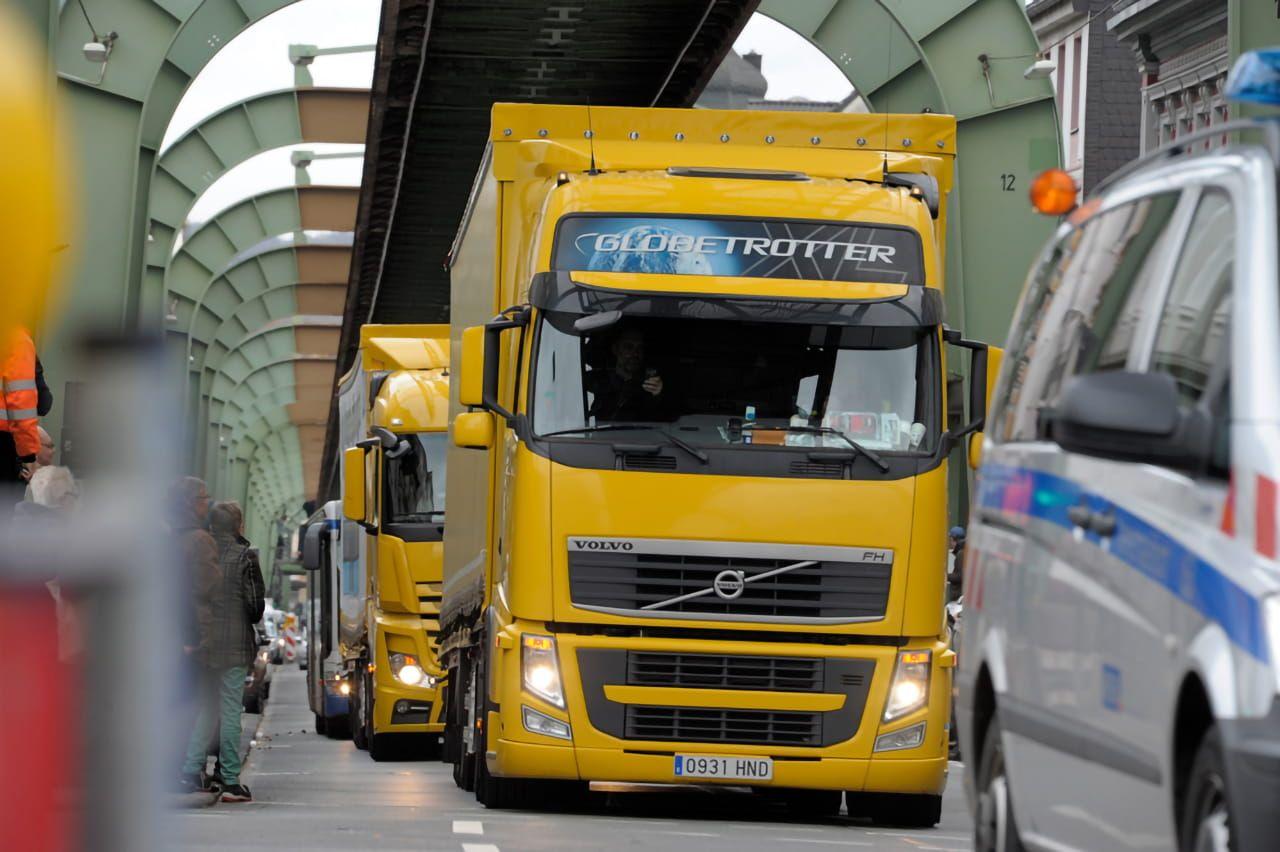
{"x":302,"y":55}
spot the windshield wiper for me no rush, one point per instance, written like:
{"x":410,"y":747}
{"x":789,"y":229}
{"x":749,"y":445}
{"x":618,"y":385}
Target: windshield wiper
{"x":611,"y":427}
{"x":872,"y":456}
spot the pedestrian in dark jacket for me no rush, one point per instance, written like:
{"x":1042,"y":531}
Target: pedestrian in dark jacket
{"x":230,"y":644}
{"x":198,"y":559}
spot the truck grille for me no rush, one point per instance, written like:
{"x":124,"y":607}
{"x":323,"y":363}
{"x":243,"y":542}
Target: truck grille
{"x":710,"y":725}
{"x":722,"y":671}
{"x":659,"y":577}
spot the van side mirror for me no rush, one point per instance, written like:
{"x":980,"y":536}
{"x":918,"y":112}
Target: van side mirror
{"x":1135,"y":417}
{"x":470,"y":369}
{"x":473,"y":430}
{"x":353,"y":488}
{"x":311,"y":546}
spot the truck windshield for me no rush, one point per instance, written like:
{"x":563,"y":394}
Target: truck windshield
{"x":414,"y":480}
{"x":740,"y":384}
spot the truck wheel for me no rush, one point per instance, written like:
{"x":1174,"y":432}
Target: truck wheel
{"x":321,"y":727}
{"x":464,"y":765}
{"x":497,"y":793}
{"x":357,"y":713}
{"x":994,"y":827}
{"x":1206,"y":812}
{"x":337,"y":727}
{"x":382,"y":746}
{"x":904,"y":810}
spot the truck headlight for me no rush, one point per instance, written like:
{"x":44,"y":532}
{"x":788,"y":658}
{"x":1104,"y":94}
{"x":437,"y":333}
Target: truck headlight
{"x":1271,"y":618}
{"x":909,"y":689}
{"x":409,"y":672}
{"x":541,"y":672}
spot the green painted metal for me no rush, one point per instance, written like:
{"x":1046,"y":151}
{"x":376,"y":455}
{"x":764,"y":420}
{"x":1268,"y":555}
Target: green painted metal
{"x":908,"y":56}
{"x":224,"y":140}
{"x":1251,"y":25}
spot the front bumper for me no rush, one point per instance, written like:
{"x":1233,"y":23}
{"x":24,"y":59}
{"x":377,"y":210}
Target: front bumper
{"x":842,"y":715}
{"x":1251,"y":758}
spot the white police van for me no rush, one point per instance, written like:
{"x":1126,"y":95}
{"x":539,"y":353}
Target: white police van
{"x":1120,"y":666}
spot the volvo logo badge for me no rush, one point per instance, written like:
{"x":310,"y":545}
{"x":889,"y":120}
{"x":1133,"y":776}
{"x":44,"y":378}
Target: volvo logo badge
{"x":729,"y":584}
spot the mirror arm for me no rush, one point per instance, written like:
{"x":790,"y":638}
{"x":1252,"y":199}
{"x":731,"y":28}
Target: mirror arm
{"x":516,"y":317}
{"x":368,"y":443}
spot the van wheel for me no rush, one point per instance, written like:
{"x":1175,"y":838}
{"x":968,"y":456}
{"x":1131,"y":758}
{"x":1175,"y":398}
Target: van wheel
{"x":994,"y":828}
{"x":904,"y":810}
{"x":321,"y":727}
{"x":1206,"y":811}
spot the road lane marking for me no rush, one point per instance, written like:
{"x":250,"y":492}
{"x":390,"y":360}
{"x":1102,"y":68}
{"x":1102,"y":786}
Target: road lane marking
{"x":688,"y":833}
{"x":462,"y":826}
{"x":479,"y":847}
{"x":825,"y":842}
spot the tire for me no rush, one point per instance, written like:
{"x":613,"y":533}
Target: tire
{"x":338,"y":727}
{"x":464,"y":766}
{"x":901,"y":810}
{"x":253,"y":703}
{"x":1206,"y":820}
{"x":356,"y":713}
{"x":498,"y":793}
{"x":321,"y":726}
{"x":995,"y":827}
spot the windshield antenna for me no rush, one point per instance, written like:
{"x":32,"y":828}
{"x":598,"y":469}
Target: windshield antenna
{"x":591,"y":140}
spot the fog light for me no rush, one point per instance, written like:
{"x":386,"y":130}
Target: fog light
{"x":898,"y":740}
{"x":541,"y":723}
{"x":402,"y":707}
{"x":909,"y":689}
{"x":541,"y":671}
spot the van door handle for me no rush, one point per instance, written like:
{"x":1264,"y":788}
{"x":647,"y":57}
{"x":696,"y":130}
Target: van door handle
{"x":1080,"y":515}
{"x":1103,"y":523}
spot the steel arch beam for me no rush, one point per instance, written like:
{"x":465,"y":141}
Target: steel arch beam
{"x":237,"y":233}
{"x":905,"y":56}
{"x":234,"y":134}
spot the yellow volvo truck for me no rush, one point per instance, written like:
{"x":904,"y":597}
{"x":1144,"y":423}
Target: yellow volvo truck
{"x":393,"y":409}
{"x":698,"y":481}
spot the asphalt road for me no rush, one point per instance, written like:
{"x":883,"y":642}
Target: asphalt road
{"x":315,"y":793}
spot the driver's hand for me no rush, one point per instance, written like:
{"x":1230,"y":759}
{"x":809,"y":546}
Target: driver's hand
{"x":28,"y":468}
{"x":653,"y":385}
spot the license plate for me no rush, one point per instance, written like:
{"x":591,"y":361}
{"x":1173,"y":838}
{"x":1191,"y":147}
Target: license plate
{"x":720,"y":766}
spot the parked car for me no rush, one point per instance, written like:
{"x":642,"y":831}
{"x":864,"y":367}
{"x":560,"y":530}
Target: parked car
{"x":1120,"y":665}
{"x":257,"y":681}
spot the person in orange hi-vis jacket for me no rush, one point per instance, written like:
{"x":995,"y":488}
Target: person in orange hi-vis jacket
{"x":19,"y":431}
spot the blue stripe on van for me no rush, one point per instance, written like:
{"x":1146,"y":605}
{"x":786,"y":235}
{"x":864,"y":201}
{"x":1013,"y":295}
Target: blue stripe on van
{"x":1136,"y":543}
{"x":331,"y":523}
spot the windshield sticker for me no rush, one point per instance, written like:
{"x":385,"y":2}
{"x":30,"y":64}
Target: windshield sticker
{"x":744,"y":248}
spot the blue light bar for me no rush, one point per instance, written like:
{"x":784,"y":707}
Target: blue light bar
{"x":1256,"y":77}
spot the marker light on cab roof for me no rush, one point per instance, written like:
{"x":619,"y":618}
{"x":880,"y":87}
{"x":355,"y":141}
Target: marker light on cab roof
{"x":1256,"y":77}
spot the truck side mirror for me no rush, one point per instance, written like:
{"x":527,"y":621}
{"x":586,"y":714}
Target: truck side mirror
{"x":517,"y":317}
{"x":473,"y":430}
{"x":470,"y":370}
{"x":353,"y":484}
{"x":975,"y":450}
{"x":311,"y":547}
{"x":980,"y":381}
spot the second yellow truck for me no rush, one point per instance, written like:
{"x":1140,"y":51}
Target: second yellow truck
{"x":698,"y":487}
{"x":392,"y":422}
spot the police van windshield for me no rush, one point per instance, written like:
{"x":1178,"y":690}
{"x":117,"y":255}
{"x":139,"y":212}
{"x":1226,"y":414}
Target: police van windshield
{"x":731,"y":384}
